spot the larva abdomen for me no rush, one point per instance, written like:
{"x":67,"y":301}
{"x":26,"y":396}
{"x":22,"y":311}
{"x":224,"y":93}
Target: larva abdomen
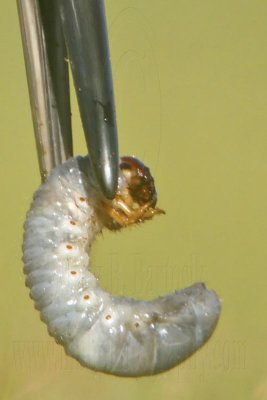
{"x":115,"y":335}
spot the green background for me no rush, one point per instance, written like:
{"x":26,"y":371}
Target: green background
{"x":191,"y":86}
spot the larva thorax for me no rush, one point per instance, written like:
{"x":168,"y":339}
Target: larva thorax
{"x":115,"y":335}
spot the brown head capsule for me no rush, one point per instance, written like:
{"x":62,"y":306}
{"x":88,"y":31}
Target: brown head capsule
{"x":140,"y":180}
{"x":136,"y":202}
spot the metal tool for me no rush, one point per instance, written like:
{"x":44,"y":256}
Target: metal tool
{"x":56,"y":34}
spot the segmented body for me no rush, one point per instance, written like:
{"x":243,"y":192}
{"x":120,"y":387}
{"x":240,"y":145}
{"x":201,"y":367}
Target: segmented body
{"x":115,"y":335}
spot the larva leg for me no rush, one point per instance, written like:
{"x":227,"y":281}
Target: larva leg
{"x":114,"y":335}
{"x":125,"y":215}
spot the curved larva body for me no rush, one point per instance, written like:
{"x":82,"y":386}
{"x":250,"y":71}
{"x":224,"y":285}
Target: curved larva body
{"x":115,"y":335}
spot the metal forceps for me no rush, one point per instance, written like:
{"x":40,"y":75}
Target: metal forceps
{"x":56,"y":34}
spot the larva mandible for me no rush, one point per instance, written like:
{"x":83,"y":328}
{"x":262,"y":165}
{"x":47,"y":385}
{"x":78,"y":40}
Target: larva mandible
{"x":120,"y":336}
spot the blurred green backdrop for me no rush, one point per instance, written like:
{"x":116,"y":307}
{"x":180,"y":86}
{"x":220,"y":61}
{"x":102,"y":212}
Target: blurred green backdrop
{"x":191,"y":86}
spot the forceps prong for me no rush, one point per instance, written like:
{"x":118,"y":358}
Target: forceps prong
{"x":84,"y":27}
{"x":51,"y":117}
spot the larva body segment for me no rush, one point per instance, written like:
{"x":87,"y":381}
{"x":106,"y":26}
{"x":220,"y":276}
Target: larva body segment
{"x":120,"y":336}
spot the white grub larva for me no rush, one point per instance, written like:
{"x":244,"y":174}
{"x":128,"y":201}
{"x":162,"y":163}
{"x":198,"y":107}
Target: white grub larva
{"x":120,"y":336}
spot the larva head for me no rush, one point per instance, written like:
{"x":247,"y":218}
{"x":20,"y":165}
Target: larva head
{"x":140,"y":181}
{"x":136,"y":197}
